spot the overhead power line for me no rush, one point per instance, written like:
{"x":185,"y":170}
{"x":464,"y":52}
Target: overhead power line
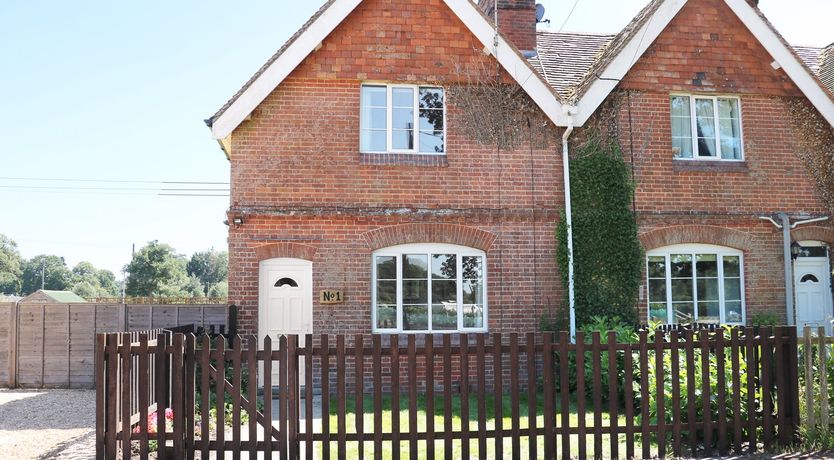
{"x":112,"y":181}
{"x":111,"y":189}
{"x":573,"y":8}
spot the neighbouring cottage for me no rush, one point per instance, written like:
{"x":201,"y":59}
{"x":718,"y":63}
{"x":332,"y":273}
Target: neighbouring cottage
{"x":360,"y":205}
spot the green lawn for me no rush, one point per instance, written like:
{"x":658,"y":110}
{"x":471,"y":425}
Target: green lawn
{"x":353,"y":447}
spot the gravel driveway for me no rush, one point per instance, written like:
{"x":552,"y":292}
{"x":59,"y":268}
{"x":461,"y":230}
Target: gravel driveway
{"x":50,"y":424}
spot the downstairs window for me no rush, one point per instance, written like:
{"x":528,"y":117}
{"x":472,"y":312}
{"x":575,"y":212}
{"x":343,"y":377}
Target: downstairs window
{"x":429,"y":288}
{"x":696,"y":284}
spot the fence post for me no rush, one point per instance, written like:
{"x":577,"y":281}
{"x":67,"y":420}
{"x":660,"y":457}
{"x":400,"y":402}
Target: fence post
{"x":292,"y":395}
{"x":111,"y":407}
{"x":101,"y":397}
{"x":178,"y":393}
{"x":15,"y":311}
{"x":809,"y":376}
{"x":231,"y":320}
{"x":823,"y":357}
{"x":793,"y":384}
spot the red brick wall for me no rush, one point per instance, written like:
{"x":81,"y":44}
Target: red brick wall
{"x":298,"y":176}
{"x":516,"y":20}
{"x":706,"y":37}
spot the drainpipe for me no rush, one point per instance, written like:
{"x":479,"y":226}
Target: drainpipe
{"x":786,"y":250}
{"x":786,"y":228}
{"x":569,"y":111}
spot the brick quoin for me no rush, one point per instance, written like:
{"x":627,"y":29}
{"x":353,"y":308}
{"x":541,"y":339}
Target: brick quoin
{"x":305,"y":190}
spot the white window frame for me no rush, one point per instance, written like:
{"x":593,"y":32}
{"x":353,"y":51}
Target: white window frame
{"x":433,"y":248}
{"x":697,"y":249}
{"x":694,"y":127}
{"x":390,"y":119}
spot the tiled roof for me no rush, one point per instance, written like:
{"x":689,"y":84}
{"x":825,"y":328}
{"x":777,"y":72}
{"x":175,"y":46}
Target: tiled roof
{"x":564,"y":58}
{"x":810,"y":56}
{"x":568,"y":61}
{"x":826,"y":71}
{"x":274,"y":57}
{"x":616,"y":46}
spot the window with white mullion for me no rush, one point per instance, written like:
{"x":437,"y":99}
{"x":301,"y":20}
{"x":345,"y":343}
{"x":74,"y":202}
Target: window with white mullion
{"x":402,"y":118}
{"x":696,"y":283}
{"x":721,"y":299}
{"x":706,"y":127}
{"x":441,"y":289}
{"x":459,"y":294}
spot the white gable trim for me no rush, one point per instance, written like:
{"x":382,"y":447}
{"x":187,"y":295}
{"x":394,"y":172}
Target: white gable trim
{"x":625,"y":60}
{"x":800,"y":74}
{"x":305,"y":44}
{"x":641,"y":41}
{"x":507,"y":56}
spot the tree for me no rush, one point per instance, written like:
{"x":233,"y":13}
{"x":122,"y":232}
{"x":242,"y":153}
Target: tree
{"x":219,"y":290}
{"x":47,"y":270}
{"x":209,"y":267}
{"x":608,"y":257}
{"x":157,"y":271}
{"x":11,"y":267}
{"x":90,"y":282}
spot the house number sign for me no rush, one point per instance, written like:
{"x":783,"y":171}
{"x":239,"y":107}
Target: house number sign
{"x":329,"y":297}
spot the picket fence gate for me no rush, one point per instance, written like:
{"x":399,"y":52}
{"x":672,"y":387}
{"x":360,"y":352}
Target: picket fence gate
{"x":549,"y":398}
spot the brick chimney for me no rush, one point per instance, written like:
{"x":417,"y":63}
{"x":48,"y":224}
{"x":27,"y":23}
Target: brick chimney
{"x":516,"y":20}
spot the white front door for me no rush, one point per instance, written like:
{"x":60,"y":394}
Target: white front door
{"x":286,"y":302}
{"x":812,"y":283}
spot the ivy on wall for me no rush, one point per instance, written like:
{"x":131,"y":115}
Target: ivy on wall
{"x":608,"y":256}
{"x":815,"y":146}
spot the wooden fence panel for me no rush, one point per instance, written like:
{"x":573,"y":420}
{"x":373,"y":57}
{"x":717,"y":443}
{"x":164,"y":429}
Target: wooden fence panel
{"x":6,"y":339}
{"x":53,"y":345}
{"x":578,"y":409}
{"x":30,"y":346}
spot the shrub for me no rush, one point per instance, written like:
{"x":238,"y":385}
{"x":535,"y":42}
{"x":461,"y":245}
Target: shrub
{"x":625,"y":333}
{"x":698,"y":380}
{"x":816,"y":436}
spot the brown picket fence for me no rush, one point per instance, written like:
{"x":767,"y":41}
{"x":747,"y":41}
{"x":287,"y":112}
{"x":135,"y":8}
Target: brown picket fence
{"x":535,"y":395}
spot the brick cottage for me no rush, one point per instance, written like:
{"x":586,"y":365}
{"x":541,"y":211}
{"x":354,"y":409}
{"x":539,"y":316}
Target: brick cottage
{"x":360,"y":205}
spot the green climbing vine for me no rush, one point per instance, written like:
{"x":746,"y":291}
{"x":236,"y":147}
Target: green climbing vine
{"x":608,"y":256}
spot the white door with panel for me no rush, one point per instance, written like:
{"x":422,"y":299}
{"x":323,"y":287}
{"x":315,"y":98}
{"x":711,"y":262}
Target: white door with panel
{"x":812,"y":284}
{"x":285,"y":306}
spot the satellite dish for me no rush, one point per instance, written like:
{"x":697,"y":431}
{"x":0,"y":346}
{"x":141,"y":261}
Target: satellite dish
{"x":539,"y":12}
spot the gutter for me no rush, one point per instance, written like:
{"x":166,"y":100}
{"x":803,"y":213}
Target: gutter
{"x":786,"y":226}
{"x":569,"y":112}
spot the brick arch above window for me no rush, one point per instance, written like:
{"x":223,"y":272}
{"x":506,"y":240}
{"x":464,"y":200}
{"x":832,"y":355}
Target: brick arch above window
{"x":705,"y":234}
{"x":814,"y":233}
{"x":285,"y":249}
{"x":460,"y":235}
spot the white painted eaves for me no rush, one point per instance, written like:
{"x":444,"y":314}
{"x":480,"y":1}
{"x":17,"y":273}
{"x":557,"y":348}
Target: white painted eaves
{"x":507,"y":55}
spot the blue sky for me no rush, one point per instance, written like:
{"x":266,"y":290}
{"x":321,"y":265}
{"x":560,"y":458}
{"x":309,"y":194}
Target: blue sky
{"x":103,"y":90}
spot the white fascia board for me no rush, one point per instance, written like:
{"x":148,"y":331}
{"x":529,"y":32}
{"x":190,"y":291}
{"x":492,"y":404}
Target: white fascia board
{"x":282,"y":67}
{"x":800,"y":75}
{"x":515,"y":65}
{"x":625,"y":60}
